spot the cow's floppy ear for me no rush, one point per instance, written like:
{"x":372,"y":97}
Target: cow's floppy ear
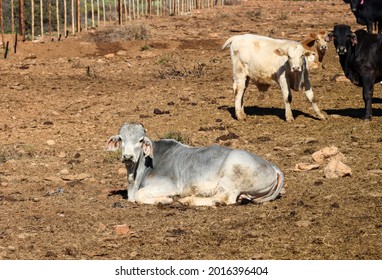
{"x":311,"y":43}
{"x":280,"y":52}
{"x":329,"y":37}
{"x":147,"y":146}
{"x":113,"y":143}
{"x":353,"y":39}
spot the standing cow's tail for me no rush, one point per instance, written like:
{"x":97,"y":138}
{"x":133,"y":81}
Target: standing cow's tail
{"x":227,"y":43}
{"x":275,"y":190}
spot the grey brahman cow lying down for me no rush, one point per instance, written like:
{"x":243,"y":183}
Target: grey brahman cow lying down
{"x":161,"y":170}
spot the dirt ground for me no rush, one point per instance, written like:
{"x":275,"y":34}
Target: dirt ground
{"x":63,"y":197}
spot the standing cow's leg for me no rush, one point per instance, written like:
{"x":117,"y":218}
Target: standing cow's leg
{"x":287,"y":97}
{"x":240,"y":84}
{"x":310,"y":96}
{"x":367,"y":92}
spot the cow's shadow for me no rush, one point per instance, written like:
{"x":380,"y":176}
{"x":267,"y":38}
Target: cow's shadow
{"x":266,"y":111}
{"x":122,"y":193}
{"x":356,"y":113}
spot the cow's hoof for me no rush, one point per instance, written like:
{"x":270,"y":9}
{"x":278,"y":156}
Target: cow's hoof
{"x":366,"y":119}
{"x":322,"y":116}
{"x":241,"y":117}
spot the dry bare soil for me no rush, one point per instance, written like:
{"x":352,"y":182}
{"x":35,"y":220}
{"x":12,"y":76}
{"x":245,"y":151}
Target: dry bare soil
{"x":62,"y":196}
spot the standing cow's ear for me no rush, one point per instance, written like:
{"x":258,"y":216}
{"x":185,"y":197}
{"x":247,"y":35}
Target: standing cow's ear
{"x":147,"y":146}
{"x":113,"y":143}
{"x":353,"y":39}
{"x":328,"y":37}
{"x":280,"y":52}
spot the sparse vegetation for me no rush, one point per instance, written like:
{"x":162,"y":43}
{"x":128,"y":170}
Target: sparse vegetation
{"x":110,"y":157}
{"x":175,"y":72}
{"x":177,"y":136}
{"x":282,"y":16}
{"x":122,"y":33}
{"x":256,"y":14}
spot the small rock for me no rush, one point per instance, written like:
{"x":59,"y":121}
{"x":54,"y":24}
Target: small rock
{"x":325,"y":153}
{"x":72,"y":251}
{"x":62,"y":155}
{"x":305,"y":166}
{"x":340,"y":78}
{"x":122,"y":53}
{"x":64,"y":172}
{"x":101,"y":226}
{"x":337,"y":169}
{"x":11,"y":248}
{"x":51,"y":142}
{"x":122,"y":229}
{"x":303,"y":223}
{"x":109,"y":55}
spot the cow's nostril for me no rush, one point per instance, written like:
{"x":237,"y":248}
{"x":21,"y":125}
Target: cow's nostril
{"x":126,"y":158}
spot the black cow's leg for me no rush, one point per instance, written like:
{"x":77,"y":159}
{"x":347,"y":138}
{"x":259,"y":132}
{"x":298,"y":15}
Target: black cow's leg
{"x":367,"y":91}
{"x":369,"y":24}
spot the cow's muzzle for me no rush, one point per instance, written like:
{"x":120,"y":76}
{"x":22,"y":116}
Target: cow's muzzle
{"x":341,"y":50}
{"x":127,"y":159}
{"x":296,"y":69}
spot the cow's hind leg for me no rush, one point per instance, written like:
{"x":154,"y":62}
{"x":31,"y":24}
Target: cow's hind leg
{"x":240,"y":84}
{"x":218,"y":199}
{"x":367,"y":92}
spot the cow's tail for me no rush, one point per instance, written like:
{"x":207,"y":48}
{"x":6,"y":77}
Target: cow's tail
{"x":275,"y":190}
{"x":227,"y":43}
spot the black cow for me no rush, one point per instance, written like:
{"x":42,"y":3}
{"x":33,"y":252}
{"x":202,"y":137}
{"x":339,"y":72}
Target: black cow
{"x":367,"y":12}
{"x":360,"y":56}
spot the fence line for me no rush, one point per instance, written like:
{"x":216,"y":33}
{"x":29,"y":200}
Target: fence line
{"x":20,"y":15}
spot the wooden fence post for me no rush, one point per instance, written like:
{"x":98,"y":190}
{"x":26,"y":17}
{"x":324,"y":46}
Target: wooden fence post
{"x":22,"y":21}
{"x":2,"y":24}
{"x":32,"y":15}
{"x":57,"y":18}
{"x":103,"y":12}
{"x":120,"y":12}
{"x":86,"y":14}
{"x":92,"y":7}
{"x":78,"y":8}
{"x":6,"y":49}
{"x":13,"y":16}
{"x":73,"y":30}
{"x":65,"y":19}
{"x":98,"y":15}
{"x":42,"y":20}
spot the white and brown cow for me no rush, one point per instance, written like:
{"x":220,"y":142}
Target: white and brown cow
{"x":315,"y":48}
{"x":265,"y":60}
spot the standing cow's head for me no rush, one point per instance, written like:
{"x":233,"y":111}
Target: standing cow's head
{"x":354,"y":4}
{"x":132,"y":140}
{"x":296,"y":56}
{"x":320,"y":39}
{"x":343,"y":38}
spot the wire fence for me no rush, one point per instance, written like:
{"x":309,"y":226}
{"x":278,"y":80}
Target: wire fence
{"x":31,"y":18}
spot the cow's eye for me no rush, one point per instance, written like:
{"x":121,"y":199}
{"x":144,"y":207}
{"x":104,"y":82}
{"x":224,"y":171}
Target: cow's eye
{"x":141,"y":140}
